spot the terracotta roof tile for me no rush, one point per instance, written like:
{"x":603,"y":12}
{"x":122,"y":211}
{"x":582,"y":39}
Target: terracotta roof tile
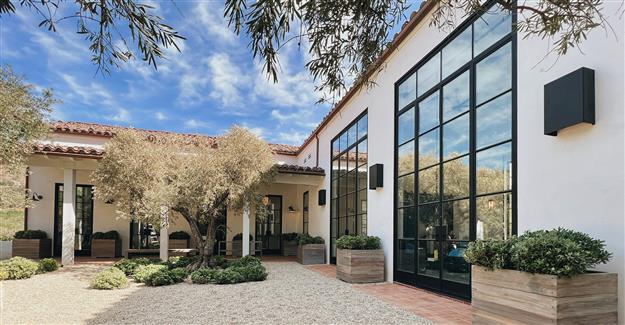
{"x":69,"y":150}
{"x":295,"y":169}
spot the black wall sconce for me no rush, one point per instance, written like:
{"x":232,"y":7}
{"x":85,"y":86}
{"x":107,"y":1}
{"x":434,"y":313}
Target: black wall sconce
{"x":37,"y":196}
{"x":321,"y":197}
{"x":376,"y":176}
{"x":570,"y":100}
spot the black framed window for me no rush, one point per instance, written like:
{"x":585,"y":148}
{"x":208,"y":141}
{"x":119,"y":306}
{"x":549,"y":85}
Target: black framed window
{"x":84,"y":219}
{"x":348,"y":205}
{"x":305,"y":215}
{"x":455,"y":152}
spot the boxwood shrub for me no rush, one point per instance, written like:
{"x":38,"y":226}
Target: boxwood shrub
{"x":18,"y":268}
{"x":179,"y":235}
{"x":245,"y":269}
{"x":142,"y":272}
{"x":305,"y":239}
{"x":31,"y":234}
{"x":111,"y":278}
{"x":251,"y":272}
{"x":290,"y":236}
{"x":106,"y":235}
{"x":559,"y":252}
{"x":128,"y":266}
{"x":228,"y":276}
{"x":239,"y":236}
{"x":204,"y":275}
{"x":181,"y":261}
{"x":165,"y":277}
{"x":48,"y":265}
{"x":358,"y":242}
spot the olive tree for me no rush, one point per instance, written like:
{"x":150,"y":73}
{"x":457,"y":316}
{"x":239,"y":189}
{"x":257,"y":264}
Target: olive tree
{"x":194,"y":177}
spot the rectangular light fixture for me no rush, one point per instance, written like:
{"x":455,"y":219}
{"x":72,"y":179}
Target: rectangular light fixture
{"x":376,"y":176}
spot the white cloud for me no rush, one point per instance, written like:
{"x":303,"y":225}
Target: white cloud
{"x":122,"y":115}
{"x":227,"y":80}
{"x":294,"y":138}
{"x":213,"y":23}
{"x":195,"y":124}
{"x":160,"y":116}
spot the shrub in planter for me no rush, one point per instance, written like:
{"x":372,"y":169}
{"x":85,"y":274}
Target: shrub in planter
{"x":106,"y":244}
{"x":204,"y":276}
{"x":111,"y":278}
{"x":19,"y":268}
{"x":359,"y":259}
{"x":31,"y":234}
{"x":142,"y":272}
{"x":311,"y":250}
{"x":31,"y":244}
{"x":179,"y":240}
{"x":289,"y":244}
{"x":237,"y":244}
{"x":48,"y":265}
{"x":128,"y":265}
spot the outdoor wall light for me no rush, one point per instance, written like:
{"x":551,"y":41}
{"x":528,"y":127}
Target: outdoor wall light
{"x":376,"y":176}
{"x":321,"y":197}
{"x":570,"y":100}
{"x":37,"y":196}
{"x":291,"y":209}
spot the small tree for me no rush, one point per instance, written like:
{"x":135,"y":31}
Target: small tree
{"x":192,"y":176}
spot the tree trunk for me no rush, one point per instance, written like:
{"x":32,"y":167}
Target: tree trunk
{"x":204,"y":246}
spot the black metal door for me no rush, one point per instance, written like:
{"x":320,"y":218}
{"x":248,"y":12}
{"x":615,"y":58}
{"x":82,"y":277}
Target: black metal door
{"x":269,"y":228}
{"x":84,"y":219}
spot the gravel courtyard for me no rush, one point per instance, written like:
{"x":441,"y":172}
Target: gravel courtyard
{"x":292,"y":294}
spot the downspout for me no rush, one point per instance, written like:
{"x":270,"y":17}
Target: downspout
{"x":26,"y":186}
{"x":317,"y":151}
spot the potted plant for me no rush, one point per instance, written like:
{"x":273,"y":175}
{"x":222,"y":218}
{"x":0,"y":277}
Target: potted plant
{"x":542,"y":277}
{"x":32,"y":244}
{"x":6,"y":247}
{"x":359,"y":259}
{"x":311,"y":250}
{"x":106,"y":244}
{"x":237,"y":245}
{"x":289,"y":244}
{"x":179,"y":240}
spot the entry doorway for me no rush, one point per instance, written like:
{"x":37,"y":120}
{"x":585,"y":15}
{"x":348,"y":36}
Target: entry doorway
{"x":84,"y":219}
{"x":269,"y":230}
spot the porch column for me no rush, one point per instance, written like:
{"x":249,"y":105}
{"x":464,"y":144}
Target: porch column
{"x":246,"y":231}
{"x":69,"y":216}
{"x":164,"y":235}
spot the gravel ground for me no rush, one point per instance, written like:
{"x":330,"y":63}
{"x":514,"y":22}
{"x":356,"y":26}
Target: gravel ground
{"x":292,"y":294}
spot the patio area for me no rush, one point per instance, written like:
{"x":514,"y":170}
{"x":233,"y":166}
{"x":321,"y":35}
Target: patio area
{"x":291,"y":294}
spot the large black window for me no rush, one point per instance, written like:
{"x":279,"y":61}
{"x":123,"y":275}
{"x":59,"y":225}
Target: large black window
{"x":455,"y":153}
{"x":348,"y":207}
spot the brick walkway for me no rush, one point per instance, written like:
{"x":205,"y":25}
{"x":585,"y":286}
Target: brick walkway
{"x":438,"y":308}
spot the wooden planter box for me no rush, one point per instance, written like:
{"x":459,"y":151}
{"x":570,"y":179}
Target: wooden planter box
{"x":311,"y":254}
{"x":178,"y":243}
{"x":289,"y":248}
{"x":360,"y":266}
{"x":106,"y":248}
{"x":514,"y":297}
{"x":32,"y":248}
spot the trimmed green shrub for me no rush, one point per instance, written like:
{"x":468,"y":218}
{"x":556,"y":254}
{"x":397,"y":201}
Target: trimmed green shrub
{"x":160,"y":278}
{"x":179,"y":274}
{"x":204,"y":276}
{"x":239,"y":236}
{"x":142,"y":272}
{"x":181,"y":261}
{"x":48,"y":265}
{"x":106,"y":235}
{"x":290,"y":236}
{"x":111,"y":278}
{"x":221,"y":261}
{"x":305,"y":239}
{"x":19,"y":268}
{"x":359,"y":242}
{"x":128,"y":266}
{"x":251,"y":272}
{"x":491,"y":254}
{"x":31,"y":234}
{"x":179,"y":235}
{"x":245,"y":261}
{"x":228,"y":276}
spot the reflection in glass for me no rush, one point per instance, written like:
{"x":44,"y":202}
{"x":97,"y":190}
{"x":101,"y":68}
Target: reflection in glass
{"x":362,"y":152}
{"x":494,"y":169}
{"x":335,"y":148}
{"x":343,"y":141}
{"x":343,"y":164}
{"x":342,"y":227}
{"x":405,"y":255}
{"x":494,"y":216}
{"x":405,"y":157}
{"x":457,"y":53}
{"x":455,"y":267}
{"x":491,"y":27}
{"x":362,"y":177}
{"x":361,"y":202}
{"x":362,"y":126}
{"x":429,"y":220}
{"x":429,"y":258}
{"x":335,"y":188}
{"x":429,"y":74}
{"x":362,"y":221}
{"x":494,"y":121}
{"x":342,"y":206}
{"x":428,"y":113}
{"x":456,"y":220}
{"x":456,"y":137}
{"x":493,"y":75}
{"x":405,"y":190}
{"x":428,"y":185}
{"x":456,"y":97}
{"x":351,"y":156}
{"x":405,"y":126}
{"x":406,"y":223}
{"x":351,"y":135}
{"x":351,"y":182}
{"x":407,"y":91}
{"x":428,"y":149}
{"x":334,"y":225}
{"x":456,"y":178}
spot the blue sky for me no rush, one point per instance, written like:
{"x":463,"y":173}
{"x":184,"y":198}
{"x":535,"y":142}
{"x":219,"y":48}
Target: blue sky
{"x":212,"y":84}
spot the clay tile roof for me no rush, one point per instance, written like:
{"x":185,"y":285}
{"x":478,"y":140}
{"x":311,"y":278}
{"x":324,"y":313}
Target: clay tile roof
{"x":69,"y":150}
{"x":294,"y":169}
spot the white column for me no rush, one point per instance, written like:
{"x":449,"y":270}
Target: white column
{"x":246,"y":231}
{"x":164,"y":235}
{"x":69,"y":216}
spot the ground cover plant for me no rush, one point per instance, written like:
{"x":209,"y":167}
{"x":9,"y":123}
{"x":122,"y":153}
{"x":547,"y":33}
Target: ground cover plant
{"x":111,"y":278}
{"x":18,"y":267}
{"x":245,"y":269}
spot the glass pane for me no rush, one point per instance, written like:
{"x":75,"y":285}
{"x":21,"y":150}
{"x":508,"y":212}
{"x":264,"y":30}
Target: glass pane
{"x":361,"y":202}
{"x":350,"y":225}
{"x":494,"y":169}
{"x":351,"y":202}
{"x":493,"y":74}
{"x":494,"y":121}
{"x":456,"y":178}
{"x":456,"y":97}
{"x":405,"y":126}
{"x":362,"y":177}
{"x":343,"y":166}
{"x":334,"y":227}
{"x":455,"y":267}
{"x":457,"y":53}
{"x":342,"y":186}
{"x":491,"y":27}
{"x":362,"y":126}
{"x":335,"y":188}
{"x":428,"y":149}
{"x":342,"y":207}
{"x":351,"y":135}
{"x":343,"y":141}
{"x":406,"y":223}
{"x":429,"y":264}
{"x":335,"y":148}
{"x":494,"y":216}
{"x":351,"y":182}
{"x":407,"y":91}
{"x":456,"y":137}
{"x":456,"y":220}
{"x":428,"y":185}
{"x":351,"y":156}
{"x":334,"y":210}
{"x":362,"y":153}
{"x":405,"y":255}
{"x":342,"y":227}
{"x":405,"y":190}
{"x":362,"y":222}
{"x":335,"y":168}
{"x":405,"y":158}
{"x":428,"y":113}
{"x":429,"y":221}
{"x":429,"y":74}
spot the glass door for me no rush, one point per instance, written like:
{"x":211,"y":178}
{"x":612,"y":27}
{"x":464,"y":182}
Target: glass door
{"x":84,"y":219}
{"x":269,"y":230}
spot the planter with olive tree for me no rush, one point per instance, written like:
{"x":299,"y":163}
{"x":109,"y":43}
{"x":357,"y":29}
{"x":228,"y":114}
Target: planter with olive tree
{"x":179,"y":240}
{"x":311,"y":250}
{"x":32,"y":244}
{"x":289,"y":244}
{"x":106,"y":244}
{"x":237,"y":245}
{"x":359,"y":259}
{"x":542,"y":277}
